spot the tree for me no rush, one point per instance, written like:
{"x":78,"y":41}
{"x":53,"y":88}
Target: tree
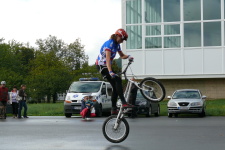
{"x":11,"y":69}
{"x":51,"y":45}
{"x":48,"y":76}
{"x":75,"y":55}
{"x":72,"y":55}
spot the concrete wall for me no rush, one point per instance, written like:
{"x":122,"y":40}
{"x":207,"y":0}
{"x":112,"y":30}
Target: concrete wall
{"x":212,"y":88}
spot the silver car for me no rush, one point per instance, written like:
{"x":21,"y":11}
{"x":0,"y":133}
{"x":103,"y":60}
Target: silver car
{"x":186,"y":101}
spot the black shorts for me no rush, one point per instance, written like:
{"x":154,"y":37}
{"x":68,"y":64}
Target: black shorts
{"x":104,"y":71}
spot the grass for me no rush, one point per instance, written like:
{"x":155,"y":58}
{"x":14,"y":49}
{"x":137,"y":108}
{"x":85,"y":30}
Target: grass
{"x":213,"y":108}
{"x":46,"y":109}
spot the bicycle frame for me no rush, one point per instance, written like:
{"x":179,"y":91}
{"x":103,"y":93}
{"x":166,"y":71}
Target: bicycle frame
{"x":122,"y":110}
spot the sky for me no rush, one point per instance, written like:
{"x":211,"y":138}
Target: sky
{"x":93,"y":21}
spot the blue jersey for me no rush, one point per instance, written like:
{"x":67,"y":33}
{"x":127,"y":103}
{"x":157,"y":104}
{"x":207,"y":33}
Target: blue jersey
{"x":111,"y":46}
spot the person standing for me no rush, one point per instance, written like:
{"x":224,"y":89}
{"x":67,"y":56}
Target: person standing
{"x":4,"y":97}
{"x":14,"y":102}
{"x":22,"y":102}
{"x":103,"y":63}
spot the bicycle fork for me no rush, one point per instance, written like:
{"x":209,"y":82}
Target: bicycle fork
{"x":118,"y":118}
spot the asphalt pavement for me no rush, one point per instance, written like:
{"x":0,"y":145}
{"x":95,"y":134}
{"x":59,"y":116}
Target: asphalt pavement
{"x":154,"y":133}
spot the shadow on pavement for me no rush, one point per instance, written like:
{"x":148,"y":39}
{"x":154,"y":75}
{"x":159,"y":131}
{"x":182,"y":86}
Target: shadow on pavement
{"x":117,"y":147}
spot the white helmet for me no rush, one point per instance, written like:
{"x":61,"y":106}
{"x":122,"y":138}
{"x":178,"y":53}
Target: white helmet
{"x":3,"y":82}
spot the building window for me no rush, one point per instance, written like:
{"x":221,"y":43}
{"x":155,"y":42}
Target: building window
{"x":152,"y":11}
{"x":153,"y":30}
{"x":171,"y":10}
{"x":192,"y":10}
{"x":153,"y":42}
{"x":133,"y":11}
{"x":171,"y":41}
{"x":212,"y":33}
{"x":211,"y":9}
{"x":134,"y":40}
{"x":192,"y":34}
{"x":171,"y":29}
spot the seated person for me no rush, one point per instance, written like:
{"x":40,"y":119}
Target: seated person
{"x":86,"y":107}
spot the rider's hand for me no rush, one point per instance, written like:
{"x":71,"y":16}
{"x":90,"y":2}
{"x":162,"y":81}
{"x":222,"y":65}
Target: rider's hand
{"x":112,"y":74}
{"x":130,"y":58}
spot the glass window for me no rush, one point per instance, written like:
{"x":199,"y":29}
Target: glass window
{"x":192,"y":10}
{"x":85,"y":87}
{"x":186,"y":94}
{"x":211,"y":9}
{"x":171,"y":41}
{"x":153,"y":30}
{"x":153,"y":42}
{"x":134,"y":40}
{"x":192,"y":34}
{"x":212,"y":33}
{"x":171,"y":29}
{"x":133,"y":9}
{"x":171,"y":10}
{"x":152,"y":11}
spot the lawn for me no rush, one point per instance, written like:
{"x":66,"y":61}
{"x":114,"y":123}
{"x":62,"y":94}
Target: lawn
{"x":213,"y":108}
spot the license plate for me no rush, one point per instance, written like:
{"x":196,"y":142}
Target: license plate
{"x":183,"y":108}
{"x":77,"y":107}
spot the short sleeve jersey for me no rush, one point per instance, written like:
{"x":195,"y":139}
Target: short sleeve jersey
{"x":111,"y":46}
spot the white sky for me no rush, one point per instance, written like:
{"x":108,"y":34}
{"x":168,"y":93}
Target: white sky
{"x":93,"y":21}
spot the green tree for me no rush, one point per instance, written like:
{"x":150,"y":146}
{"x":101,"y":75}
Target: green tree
{"x":75,"y":55}
{"x":48,"y":76}
{"x":51,"y":45}
{"x":11,"y":69}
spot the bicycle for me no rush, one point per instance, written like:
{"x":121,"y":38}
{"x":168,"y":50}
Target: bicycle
{"x":116,"y":128}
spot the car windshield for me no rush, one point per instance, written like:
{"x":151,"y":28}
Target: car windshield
{"x":85,"y":87}
{"x":186,"y":94}
{"x":139,"y":95}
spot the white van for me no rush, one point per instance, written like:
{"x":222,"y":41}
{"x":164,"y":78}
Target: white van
{"x":100,"y":90}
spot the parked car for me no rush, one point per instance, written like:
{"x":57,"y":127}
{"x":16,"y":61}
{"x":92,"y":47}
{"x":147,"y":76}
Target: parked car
{"x":145,"y":107}
{"x":101,"y":92}
{"x":186,"y":101}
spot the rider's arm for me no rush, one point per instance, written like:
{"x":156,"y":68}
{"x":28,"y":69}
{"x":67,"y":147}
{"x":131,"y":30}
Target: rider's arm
{"x":108,"y":61}
{"x":122,"y":55}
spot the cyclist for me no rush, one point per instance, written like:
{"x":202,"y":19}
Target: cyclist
{"x":104,"y":65}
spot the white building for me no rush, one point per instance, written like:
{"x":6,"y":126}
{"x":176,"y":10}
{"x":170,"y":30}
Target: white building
{"x":180,"y":42}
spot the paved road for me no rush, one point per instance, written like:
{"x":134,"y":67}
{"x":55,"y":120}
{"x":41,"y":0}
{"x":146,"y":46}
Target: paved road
{"x":156,"y":133}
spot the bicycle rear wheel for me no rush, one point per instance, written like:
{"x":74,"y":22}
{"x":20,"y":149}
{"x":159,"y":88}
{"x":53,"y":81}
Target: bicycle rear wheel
{"x":115,"y":135}
{"x":152,"y":89}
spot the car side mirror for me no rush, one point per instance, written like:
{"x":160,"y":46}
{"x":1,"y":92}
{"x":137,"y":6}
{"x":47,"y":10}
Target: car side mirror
{"x":169,"y":97}
{"x":203,"y":97}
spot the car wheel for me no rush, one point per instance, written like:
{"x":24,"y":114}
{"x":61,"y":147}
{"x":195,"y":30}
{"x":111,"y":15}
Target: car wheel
{"x":98,"y":110}
{"x":170,"y":115}
{"x":202,"y":114}
{"x":149,"y":112}
{"x":68,"y":115}
{"x":158,"y":111}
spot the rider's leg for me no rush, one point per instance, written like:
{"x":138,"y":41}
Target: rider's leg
{"x":116,"y":85}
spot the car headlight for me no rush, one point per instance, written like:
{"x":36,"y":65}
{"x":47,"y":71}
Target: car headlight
{"x":172,"y":104}
{"x":196,"y":104}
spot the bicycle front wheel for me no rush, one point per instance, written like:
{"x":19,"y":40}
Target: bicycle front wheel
{"x":115,"y":135}
{"x":152,"y":89}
